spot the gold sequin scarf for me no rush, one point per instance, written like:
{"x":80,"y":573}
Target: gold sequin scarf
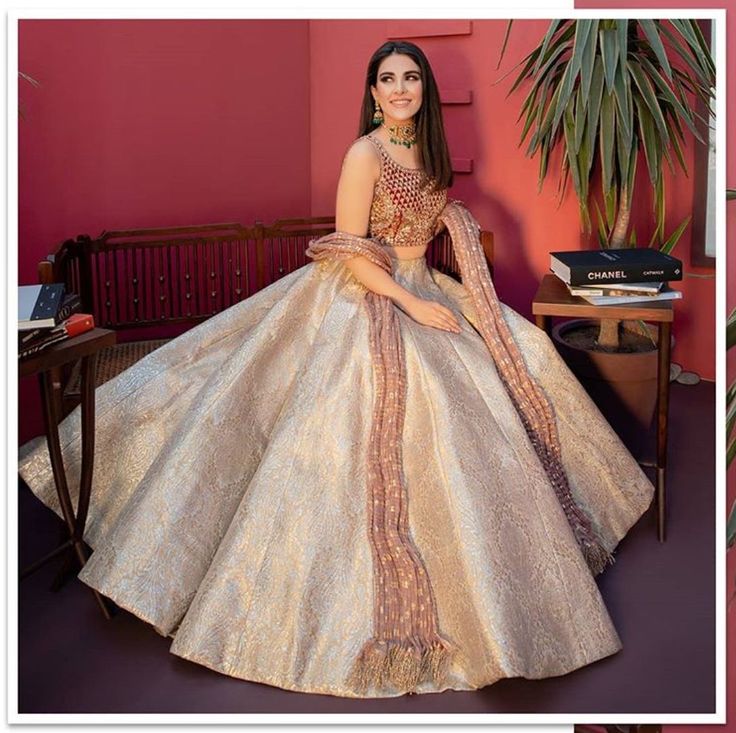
{"x":407,"y":647}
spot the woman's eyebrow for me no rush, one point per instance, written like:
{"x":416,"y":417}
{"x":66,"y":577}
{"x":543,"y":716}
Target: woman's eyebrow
{"x":391,"y":73}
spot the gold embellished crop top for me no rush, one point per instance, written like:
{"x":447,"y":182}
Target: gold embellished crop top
{"x":405,"y":206}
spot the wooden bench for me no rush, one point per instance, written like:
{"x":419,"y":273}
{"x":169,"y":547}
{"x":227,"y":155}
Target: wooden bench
{"x":149,"y":285}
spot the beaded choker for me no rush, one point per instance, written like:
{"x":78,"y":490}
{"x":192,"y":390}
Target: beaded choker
{"x":405,"y":135}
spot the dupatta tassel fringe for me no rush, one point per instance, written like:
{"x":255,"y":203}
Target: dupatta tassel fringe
{"x":402,"y":663}
{"x":596,"y":556}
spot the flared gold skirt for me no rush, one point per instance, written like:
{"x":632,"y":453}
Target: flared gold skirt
{"x":229,"y":501}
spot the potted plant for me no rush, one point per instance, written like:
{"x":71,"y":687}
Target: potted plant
{"x":608,"y":92}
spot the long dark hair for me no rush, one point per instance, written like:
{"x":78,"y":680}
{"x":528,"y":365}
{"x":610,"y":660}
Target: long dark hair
{"x":431,"y":143}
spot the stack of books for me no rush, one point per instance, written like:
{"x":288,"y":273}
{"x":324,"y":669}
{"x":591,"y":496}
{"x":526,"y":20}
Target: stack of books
{"x":47,"y":315}
{"x":618,"y":276}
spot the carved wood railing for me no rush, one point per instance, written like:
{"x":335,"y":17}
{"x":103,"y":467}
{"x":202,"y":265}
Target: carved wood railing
{"x":148,"y":277}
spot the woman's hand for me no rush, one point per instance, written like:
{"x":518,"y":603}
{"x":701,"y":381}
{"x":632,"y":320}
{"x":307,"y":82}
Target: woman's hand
{"x":430,"y":313}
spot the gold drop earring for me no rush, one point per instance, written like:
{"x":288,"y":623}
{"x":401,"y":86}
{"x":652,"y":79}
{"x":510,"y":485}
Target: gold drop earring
{"x":377,"y":114}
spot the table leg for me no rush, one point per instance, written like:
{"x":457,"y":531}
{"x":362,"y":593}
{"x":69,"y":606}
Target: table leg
{"x":544,"y":322}
{"x":88,"y":367}
{"x":663,"y":398}
{"x":51,"y":425}
{"x":88,"y":442}
{"x":50,"y":419}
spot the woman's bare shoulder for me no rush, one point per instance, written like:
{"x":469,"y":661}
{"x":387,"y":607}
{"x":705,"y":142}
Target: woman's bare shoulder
{"x":362,"y":156}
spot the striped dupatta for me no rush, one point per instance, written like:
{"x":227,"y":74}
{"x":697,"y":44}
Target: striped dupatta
{"x":407,"y":648}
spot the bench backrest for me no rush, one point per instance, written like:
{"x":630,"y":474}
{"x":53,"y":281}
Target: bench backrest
{"x":149,"y":277}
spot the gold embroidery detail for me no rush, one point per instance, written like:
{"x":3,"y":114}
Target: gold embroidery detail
{"x":405,"y":205}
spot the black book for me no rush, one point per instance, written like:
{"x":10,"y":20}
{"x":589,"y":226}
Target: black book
{"x":39,"y":305}
{"x":36,"y":335}
{"x":40,"y":344}
{"x":26,"y":337}
{"x":71,"y":304}
{"x":632,"y":264}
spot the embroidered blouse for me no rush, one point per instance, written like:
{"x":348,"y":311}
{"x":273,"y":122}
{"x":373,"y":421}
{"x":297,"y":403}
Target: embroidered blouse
{"x":405,"y":207}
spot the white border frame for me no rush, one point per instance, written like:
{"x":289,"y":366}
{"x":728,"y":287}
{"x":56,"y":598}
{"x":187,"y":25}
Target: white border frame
{"x":375,"y":8}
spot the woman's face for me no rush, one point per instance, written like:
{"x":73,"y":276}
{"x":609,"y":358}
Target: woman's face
{"x":398,"y":88}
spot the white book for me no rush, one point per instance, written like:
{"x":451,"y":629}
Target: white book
{"x":624,"y":299}
{"x":646,"y":287}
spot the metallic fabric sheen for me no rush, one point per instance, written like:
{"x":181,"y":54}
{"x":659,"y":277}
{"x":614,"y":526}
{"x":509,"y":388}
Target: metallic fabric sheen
{"x":229,"y":494}
{"x":229,"y":500}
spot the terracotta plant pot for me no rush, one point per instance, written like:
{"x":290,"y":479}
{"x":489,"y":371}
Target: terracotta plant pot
{"x":623,"y":386}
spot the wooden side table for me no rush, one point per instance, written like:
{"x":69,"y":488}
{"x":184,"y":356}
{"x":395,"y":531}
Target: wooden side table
{"x":554,"y":299}
{"x":84,"y":347}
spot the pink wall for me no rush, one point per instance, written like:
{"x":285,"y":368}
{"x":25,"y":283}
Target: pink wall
{"x":502,"y":188}
{"x":145,"y":123}
{"x":148,"y":123}
{"x":155,"y":123}
{"x":731,"y":303}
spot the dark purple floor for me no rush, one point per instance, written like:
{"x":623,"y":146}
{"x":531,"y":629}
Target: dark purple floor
{"x":660,"y":597}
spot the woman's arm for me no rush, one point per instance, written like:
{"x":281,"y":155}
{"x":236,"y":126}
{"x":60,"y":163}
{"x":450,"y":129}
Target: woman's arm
{"x":360,"y":171}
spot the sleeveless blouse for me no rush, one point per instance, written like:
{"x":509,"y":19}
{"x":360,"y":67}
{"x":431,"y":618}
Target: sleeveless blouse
{"x":405,"y":206}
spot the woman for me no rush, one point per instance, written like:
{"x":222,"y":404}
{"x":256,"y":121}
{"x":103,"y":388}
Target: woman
{"x":367,"y":479}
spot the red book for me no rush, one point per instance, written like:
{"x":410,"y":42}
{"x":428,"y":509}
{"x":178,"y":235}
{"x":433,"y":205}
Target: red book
{"x":78,"y":323}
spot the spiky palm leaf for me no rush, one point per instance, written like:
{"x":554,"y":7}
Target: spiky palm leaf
{"x":604,"y":90}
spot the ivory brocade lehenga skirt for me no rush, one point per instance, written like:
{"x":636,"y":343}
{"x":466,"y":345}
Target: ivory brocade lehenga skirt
{"x":229,"y":502}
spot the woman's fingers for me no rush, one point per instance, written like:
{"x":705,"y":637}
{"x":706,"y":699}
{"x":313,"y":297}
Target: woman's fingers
{"x":446,"y":312}
{"x":448,"y":317}
{"x":447,"y":323}
{"x":434,"y":314}
{"x":439,"y":316}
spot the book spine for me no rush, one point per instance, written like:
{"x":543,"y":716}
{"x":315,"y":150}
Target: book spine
{"x":605,"y":300}
{"x":42,"y":335}
{"x":653,"y":287}
{"x":70,"y":307}
{"x":36,"y":347}
{"x":584,"y":291}
{"x":623,"y":292}
{"x":580,"y":275}
{"x":25,"y":336}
